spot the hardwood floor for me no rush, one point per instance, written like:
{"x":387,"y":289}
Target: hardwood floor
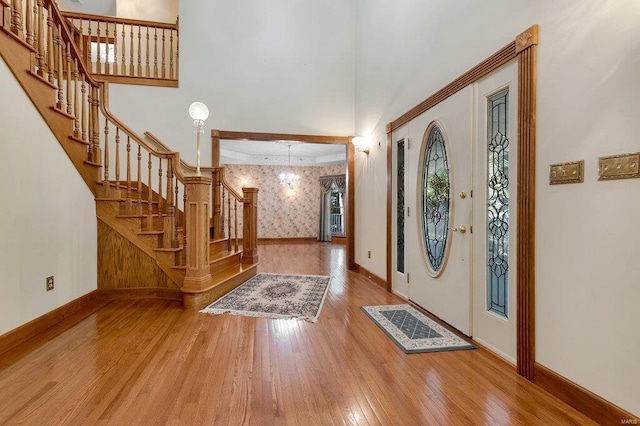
{"x":153,"y":362}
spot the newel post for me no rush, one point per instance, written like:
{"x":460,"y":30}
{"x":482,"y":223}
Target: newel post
{"x":197,"y":232}
{"x":250,"y":225}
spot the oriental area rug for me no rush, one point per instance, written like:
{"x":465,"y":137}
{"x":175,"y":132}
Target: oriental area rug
{"x":413,"y":331}
{"x":275,"y":296}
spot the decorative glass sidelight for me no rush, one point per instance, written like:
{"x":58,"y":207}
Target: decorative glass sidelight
{"x":435,"y":199}
{"x":498,"y":203}
{"x":400,"y":208}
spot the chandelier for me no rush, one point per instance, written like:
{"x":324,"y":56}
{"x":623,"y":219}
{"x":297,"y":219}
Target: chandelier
{"x":290,"y":179}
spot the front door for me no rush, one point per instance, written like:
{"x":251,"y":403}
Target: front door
{"x":438,"y":239}
{"x":494,"y":198}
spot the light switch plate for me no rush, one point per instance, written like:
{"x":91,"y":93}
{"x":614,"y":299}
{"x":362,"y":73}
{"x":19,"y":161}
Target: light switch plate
{"x":572,"y":172}
{"x":623,"y":166}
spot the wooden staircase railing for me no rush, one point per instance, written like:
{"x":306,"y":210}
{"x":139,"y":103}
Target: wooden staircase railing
{"x":147,"y":181}
{"x":226,"y":222}
{"x":127,"y":50}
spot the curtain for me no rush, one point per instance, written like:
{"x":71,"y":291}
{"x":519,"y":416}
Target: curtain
{"x":327,"y":184}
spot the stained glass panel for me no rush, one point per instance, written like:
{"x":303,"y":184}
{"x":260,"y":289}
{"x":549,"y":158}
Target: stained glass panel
{"x":400,"y":207}
{"x":435,"y":199}
{"x":498,"y":203}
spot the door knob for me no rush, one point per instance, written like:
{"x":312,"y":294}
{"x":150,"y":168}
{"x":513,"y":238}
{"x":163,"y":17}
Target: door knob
{"x":460,"y":229}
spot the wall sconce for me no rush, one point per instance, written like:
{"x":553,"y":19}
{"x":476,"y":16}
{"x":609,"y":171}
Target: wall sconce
{"x":361,"y":143}
{"x":198,"y":112}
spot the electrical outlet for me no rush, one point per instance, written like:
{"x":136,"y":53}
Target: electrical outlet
{"x":369,"y":254}
{"x":50,"y":284}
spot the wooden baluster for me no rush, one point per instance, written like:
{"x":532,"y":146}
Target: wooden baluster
{"x":169,"y":222}
{"x":105,"y":164}
{"x":95,"y":124}
{"x":59,"y":62}
{"x":149,"y":198}
{"x":118,"y":160}
{"x":139,"y":180}
{"x":98,"y":51}
{"x":68,"y":68}
{"x":146,"y":56}
{"x":171,"y":55}
{"x":235,"y":214}
{"x":184,"y":222}
{"x":155,"y":53}
{"x":106,"y":50}
{"x":83,"y":111}
{"x":16,"y":17}
{"x":51,"y":57}
{"x":163,"y":72}
{"x":76,"y":100}
{"x":176,"y":213}
{"x":229,"y":220}
{"x":30,"y":30}
{"x":129,"y":201}
{"x":160,"y":208}
{"x":139,"y":52}
{"x":39,"y":25}
{"x":123,"y":67}
{"x":81,"y":41}
{"x":131,"y":66}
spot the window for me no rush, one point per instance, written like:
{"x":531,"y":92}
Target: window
{"x":435,"y":199}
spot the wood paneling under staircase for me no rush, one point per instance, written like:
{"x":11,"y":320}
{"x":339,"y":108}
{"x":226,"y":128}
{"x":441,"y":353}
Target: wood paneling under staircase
{"x":150,"y":242}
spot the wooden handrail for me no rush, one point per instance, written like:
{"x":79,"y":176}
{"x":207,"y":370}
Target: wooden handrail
{"x":104,"y":107}
{"x":115,"y":20}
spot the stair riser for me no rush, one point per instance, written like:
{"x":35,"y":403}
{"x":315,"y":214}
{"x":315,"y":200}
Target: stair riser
{"x":220,"y":264}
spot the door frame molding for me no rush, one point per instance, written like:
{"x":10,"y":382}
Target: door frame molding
{"x":524,"y":50}
{"x":217,"y":135}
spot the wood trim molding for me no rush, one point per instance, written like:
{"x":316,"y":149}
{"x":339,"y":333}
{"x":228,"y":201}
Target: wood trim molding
{"x":487,"y":66}
{"x":218,"y":135}
{"x":373,"y":277}
{"x":262,"y":136}
{"x":523,"y":48}
{"x":588,"y":403}
{"x":88,"y":303}
{"x":526,"y":223}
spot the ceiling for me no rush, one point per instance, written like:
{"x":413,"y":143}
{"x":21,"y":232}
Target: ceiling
{"x":277,"y":153}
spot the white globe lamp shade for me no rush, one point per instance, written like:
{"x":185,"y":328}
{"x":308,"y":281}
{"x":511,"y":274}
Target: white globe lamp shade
{"x":198,"y":111}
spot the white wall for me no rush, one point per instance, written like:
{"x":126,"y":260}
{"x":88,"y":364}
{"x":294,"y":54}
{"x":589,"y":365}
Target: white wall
{"x":94,"y":7}
{"x":48,"y":224}
{"x":587,"y":269}
{"x":279,"y":66}
{"x":145,"y":10}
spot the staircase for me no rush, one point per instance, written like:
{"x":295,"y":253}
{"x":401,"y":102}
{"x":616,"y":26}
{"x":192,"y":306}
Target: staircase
{"x":163,"y":230}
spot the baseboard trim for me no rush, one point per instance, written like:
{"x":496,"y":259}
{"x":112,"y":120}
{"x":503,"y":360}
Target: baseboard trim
{"x":141,"y":293}
{"x":583,"y":400}
{"x":17,"y":336}
{"x":373,"y":277}
{"x":297,"y":240}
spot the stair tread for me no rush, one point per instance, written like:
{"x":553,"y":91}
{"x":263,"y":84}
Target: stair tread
{"x":224,"y":275}
{"x":169,"y":250}
{"x":150,"y":232}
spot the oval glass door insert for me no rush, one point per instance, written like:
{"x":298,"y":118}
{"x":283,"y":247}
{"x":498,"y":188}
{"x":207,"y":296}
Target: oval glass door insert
{"x":435,"y":200}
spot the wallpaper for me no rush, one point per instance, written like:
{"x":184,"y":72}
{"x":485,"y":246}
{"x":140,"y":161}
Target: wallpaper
{"x":283,"y":213}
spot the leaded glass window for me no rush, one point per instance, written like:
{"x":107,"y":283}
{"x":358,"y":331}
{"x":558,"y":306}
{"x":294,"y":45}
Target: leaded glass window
{"x":435,"y":199}
{"x":400,"y":207}
{"x":498,"y":203}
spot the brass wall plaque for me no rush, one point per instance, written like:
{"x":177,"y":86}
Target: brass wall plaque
{"x":566,"y":173}
{"x":623,"y":166}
